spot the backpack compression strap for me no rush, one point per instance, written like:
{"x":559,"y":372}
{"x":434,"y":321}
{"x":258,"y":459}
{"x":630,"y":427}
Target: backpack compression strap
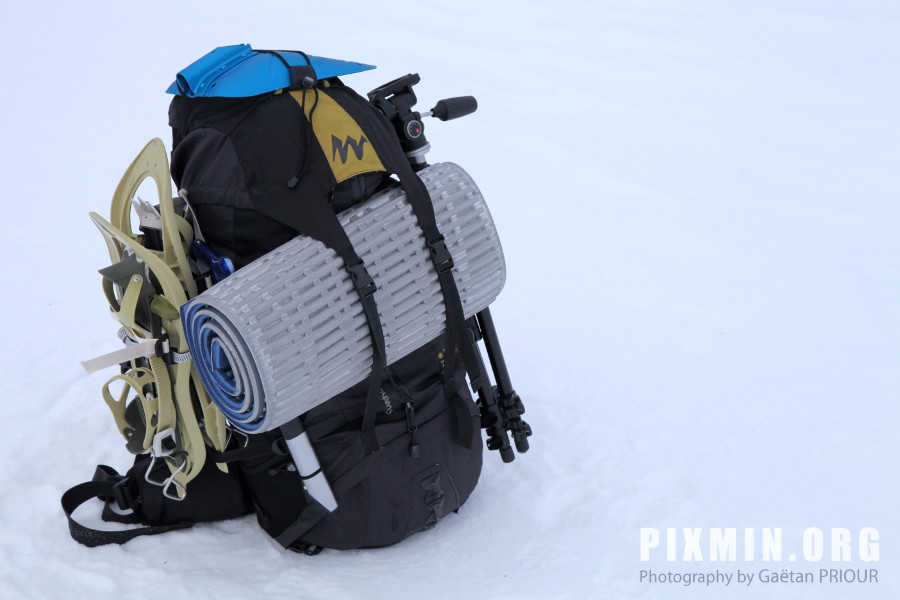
{"x":321,"y":223}
{"x":385,"y":141}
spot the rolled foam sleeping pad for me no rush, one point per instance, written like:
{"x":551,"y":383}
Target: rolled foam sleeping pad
{"x":287,"y":332}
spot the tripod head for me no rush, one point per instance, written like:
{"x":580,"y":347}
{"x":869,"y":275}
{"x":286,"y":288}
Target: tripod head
{"x":396,"y":100}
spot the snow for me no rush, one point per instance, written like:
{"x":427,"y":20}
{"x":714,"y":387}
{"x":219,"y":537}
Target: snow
{"x":699,"y":208}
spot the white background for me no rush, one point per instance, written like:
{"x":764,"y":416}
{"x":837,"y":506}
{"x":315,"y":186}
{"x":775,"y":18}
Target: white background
{"x":699,"y":207}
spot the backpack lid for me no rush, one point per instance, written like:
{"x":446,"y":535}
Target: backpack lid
{"x":239,"y":71}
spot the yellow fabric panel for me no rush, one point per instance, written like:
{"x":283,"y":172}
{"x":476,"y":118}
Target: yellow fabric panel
{"x":346,"y":148}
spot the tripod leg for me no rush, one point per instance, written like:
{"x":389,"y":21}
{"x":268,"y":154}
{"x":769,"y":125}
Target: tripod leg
{"x":510,"y":404}
{"x":495,"y":353}
{"x":491,"y":411}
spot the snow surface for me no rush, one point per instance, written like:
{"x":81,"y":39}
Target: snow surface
{"x":699,"y":207}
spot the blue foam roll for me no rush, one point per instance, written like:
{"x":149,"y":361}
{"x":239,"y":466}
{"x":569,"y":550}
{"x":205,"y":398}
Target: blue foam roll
{"x":232,"y":383}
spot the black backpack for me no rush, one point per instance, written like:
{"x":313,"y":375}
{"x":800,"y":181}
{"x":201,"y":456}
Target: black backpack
{"x":400,"y":449}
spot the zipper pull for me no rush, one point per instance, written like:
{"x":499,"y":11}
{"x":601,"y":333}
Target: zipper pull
{"x":412,"y":428}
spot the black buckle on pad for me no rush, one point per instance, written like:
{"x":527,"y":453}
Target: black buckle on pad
{"x":440,"y":254}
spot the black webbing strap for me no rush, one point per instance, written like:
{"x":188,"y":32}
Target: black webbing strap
{"x":447,"y":376}
{"x":308,"y":518}
{"x":457,"y":336}
{"x":365,"y":289}
{"x":110,"y":487}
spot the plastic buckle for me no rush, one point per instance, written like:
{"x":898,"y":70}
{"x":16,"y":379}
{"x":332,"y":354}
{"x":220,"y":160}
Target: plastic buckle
{"x":440,"y":254}
{"x":303,"y":77}
{"x":364,"y":283}
{"x":122,"y":494}
{"x":164,"y":442}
